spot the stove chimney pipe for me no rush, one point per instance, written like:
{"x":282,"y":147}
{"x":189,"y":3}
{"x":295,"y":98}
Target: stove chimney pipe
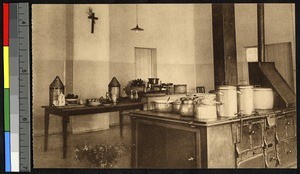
{"x":261,"y":32}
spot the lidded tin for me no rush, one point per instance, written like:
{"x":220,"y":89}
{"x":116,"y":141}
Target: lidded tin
{"x":245,"y":99}
{"x":55,"y":88}
{"x":227,"y":95}
{"x":114,"y":87}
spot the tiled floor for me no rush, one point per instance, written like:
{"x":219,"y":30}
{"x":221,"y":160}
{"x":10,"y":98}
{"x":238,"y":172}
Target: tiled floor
{"x":52,"y":158}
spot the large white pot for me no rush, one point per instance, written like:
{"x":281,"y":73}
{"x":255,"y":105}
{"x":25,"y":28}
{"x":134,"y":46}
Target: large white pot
{"x":207,"y":98}
{"x":245,"y":99}
{"x":263,"y":98}
{"x":207,"y":112}
{"x":227,"y":95}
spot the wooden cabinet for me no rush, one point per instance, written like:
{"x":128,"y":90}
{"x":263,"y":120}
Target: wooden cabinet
{"x":175,"y":144}
{"x":165,"y":140}
{"x":160,"y":145}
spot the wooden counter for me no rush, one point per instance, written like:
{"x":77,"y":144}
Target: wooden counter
{"x":166,"y":140}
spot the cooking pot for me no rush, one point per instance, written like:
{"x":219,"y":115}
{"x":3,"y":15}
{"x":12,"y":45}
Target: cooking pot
{"x":202,"y":111}
{"x":245,"y":99}
{"x":227,"y":96}
{"x":163,"y":106}
{"x":180,"y":89}
{"x":263,"y":98}
{"x":207,"y":99}
{"x":176,"y":106}
{"x":186,"y":109}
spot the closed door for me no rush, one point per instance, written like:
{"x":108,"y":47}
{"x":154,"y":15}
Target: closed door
{"x":145,"y":63}
{"x":244,"y":143}
{"x":290,"y":126}
{"x":181,"y":149}
{"x":256,"y":135}
{"x":281,"y":128}
{"x":167,"y":146}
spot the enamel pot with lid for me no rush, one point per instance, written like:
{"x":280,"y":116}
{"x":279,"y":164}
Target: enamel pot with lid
{"x":263,"y":98}
{"x":202,"y":111}
{"x":206,"y":106}
{"x":227,"y":96}
{"x":245,"y":99}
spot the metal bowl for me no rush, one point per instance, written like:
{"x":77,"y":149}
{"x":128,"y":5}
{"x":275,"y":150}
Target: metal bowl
{"x":176,"y":107}
{"x":94,"y":103}
{"x":163,"y":106}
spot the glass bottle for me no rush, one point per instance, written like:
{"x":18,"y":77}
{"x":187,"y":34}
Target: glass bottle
{"x":107,"y":96}
{"x":124,"y":93}
{"x":136,"y":96}
{"x":131,"y":95}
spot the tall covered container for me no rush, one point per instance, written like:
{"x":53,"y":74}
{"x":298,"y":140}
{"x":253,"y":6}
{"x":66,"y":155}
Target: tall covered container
{"x":245,"y":99}
{"x":114,"y":88}
{"x":227,"y":95}
{"x":55,"y":88}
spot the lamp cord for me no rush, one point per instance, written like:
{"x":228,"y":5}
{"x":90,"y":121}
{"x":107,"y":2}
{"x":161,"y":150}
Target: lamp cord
{"x":136,"y":12}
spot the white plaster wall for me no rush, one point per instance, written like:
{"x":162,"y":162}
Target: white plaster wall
{"x":204,"y":46}
{"x":182,"y":35}
{"x":91,"y":63}
{"x":169,"y":28}
{"x":279,"y":24}
{"x":48,"y":59}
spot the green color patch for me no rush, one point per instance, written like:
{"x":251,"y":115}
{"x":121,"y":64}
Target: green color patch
{"x":6,"y":110}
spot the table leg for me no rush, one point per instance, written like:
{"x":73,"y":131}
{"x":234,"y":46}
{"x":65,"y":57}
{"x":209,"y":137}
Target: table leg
{"x":46,"y":129}
{"x":121,"y":123}
{"x":65,"y":121}
{"x":141,"y":107}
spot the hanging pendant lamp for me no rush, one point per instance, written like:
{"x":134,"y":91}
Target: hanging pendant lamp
{"x":137,"y":28}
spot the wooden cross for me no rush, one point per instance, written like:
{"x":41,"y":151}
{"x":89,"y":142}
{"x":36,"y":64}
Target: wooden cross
{"x":92,"y":16}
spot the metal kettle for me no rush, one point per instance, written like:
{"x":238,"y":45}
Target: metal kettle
{"x":186,"y":109}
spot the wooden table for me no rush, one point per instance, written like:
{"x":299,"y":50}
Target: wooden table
{"x":65,"y":112}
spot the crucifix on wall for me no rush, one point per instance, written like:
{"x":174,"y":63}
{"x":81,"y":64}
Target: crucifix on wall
{"x":93,"y":18}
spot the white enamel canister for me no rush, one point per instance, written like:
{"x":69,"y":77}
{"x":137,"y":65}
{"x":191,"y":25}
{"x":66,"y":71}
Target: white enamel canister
{"x":245,"y":99}
{"x":227,"y":96}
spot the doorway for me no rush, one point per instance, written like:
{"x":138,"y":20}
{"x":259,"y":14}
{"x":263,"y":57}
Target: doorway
{"x":145,"y":63}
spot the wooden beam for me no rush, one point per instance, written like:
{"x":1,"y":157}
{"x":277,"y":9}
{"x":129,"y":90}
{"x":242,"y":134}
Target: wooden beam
{"x":224,"y":44}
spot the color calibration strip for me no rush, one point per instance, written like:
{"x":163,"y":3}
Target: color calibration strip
{"x":14,"y":86}
{"x":16,"y":66}
{"x":6,"y":87}
{"x":24,"y":87}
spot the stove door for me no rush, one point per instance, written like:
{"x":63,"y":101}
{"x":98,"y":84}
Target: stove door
{"x":253,"y":162}
{"x":243,"y":139}
{"x":256,"y":133}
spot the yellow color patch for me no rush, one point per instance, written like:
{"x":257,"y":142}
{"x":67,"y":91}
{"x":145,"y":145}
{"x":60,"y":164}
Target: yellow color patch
{"x":6,"y":66}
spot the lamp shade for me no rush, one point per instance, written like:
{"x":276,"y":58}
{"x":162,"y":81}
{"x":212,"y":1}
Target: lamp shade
{"x":114,"y":87}
{"x":137,"y":28}
{"x":55,"y":88}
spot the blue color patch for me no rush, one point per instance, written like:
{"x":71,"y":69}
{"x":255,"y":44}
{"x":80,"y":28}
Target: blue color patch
{"x":7,"y":152}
